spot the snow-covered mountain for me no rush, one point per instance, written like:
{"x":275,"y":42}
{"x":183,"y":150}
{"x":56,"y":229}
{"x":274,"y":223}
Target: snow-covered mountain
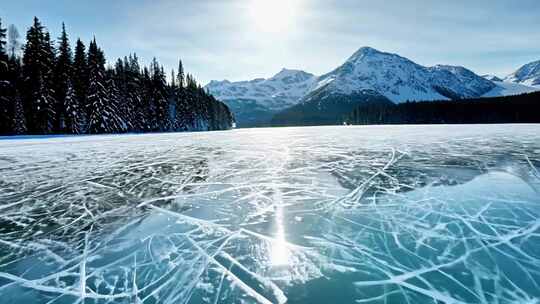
{"x":368,"y":75}
{"x":278,"y":92}
{"x":258,"y":99}
{"x":525,"y":80}
{"x":528,"y":75}
{"x":398,"y":79}
{"x":505,"y":88}
{"x":492,"y":78}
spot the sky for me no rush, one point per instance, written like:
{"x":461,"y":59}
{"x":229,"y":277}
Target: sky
{"x":247,"y":39}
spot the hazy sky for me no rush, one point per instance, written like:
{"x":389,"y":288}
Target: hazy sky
{"x":245,"y":39}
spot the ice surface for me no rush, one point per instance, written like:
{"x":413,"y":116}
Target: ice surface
{"x":396,"y":214}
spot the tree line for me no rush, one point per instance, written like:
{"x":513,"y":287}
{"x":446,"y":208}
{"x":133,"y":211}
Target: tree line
{"x":48,"y":88}
{"x":524,"y":108}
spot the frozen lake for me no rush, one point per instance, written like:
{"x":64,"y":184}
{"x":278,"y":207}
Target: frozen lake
{"x":382,"y":214}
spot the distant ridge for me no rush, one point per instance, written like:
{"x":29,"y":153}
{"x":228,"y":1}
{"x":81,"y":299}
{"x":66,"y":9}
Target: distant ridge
{"x":367,"y":75}
{"x":528,"y":74}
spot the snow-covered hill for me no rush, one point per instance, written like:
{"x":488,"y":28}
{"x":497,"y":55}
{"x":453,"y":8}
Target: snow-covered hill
{"x":492,"y":78}
{"x":515,"y":84}
{"x":398,"y":79}
{"x":528,"y":75}
{"x":256,"y":101}
{"x":278,"y":92}
{"x":504,"y":88}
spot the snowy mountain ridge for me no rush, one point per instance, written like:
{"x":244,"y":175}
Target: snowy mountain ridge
{"x":368,"y":72}
{"x":493,"y":78}
{"x":399,"y":79}
{"x":528,"y":75}
{"x":278,"y":92}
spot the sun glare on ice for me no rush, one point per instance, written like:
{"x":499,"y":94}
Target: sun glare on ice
{"x":279,"y":255}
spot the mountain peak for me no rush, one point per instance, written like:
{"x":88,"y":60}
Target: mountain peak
{"x":367,"y":50}
{"x":290,"y":76}
{"x":450,"y":67}
{"x":400,"y":79}
{"x":492,"y":78}
{"x":528,"y":74}
{"x":370,"y":53}
{"x":289,"y":72}
{"x":266,"y":95}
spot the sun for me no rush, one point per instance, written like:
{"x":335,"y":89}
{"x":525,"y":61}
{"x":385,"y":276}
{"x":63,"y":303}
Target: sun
{"x":272,"y":16}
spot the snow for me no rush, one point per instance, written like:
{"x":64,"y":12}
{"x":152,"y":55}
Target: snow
{"x":508,"y":88}
{"x":401,"y":214}
{"x":399,"y":79}
{"x":276,"y":93}
{"x":367,"y":70}
{"x":492,"y":77}
{"x":528,"y":75}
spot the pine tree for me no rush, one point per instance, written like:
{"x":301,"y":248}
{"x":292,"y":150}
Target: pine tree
{"x":135,"y":106}
{"x":104,"y":116}
{"x":16,"y":110}
{"x":32,"y":72}
{"x":97,"y":94}
{"x":183,"y":115}
{"x":62,"y":75}
{"x":49,"y":104}
{"x":5,"y":84}
{"x":172,"y":124}
{"x":173,"y":80}
{"x":19,"y":121}
{"x":148,"y":109}
{"x":159,"y":96}
{"x":73,"y":112}
{"x":125,"y":108}
{"x":3,"y":42}
{"x":116,"y":121}
{"x":38,"y":60}
{"x":181,"y":75}
{"x":80,"y":83}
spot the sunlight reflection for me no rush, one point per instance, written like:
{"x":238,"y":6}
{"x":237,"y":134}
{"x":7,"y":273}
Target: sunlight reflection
{"x":279,"y":254}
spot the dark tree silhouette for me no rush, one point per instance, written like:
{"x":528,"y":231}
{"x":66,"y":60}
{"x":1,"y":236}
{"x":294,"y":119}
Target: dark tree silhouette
{"x":76,"y":93}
